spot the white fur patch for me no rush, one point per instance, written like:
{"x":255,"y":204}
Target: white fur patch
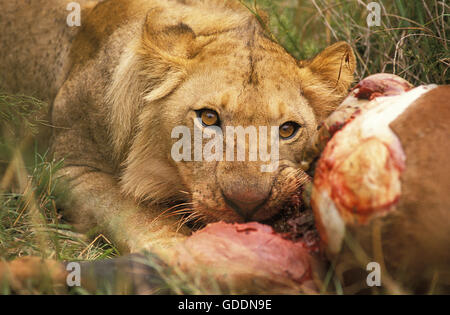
{"x":373,"y":122}
{"x":331,"y":220}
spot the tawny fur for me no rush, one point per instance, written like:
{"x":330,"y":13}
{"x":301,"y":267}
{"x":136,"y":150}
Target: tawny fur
{"x":137,"y":68}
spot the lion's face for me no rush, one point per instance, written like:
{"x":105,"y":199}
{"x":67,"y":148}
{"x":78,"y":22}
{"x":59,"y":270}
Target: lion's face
{"x":237,"y":79}
{"x":266,"y":93}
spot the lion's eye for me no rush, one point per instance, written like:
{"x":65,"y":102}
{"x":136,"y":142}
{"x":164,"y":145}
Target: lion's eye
{"x":209,"y":117}
{"x":288,"y":130}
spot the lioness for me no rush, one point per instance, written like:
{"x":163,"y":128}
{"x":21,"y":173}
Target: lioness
{"x":136,"y":69}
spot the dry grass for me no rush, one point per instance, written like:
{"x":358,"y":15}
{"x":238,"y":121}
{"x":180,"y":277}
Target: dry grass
{"x":412,"y":42}
{"x":30,"y":224}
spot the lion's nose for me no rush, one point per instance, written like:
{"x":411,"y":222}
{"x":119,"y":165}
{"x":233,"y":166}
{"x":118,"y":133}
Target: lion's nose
{"x":245,"y":203}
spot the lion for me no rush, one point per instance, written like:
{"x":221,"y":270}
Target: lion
{"x":133,"y":71}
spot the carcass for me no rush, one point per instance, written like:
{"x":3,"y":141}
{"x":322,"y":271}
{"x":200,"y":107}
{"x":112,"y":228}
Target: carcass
{"x":380,"y":194}
{"x":381,"y":185}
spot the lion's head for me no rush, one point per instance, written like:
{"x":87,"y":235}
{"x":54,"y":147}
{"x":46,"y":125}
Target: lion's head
{"x":208,"y":71}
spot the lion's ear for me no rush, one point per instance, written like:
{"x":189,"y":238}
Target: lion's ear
{"x":166,"y":51}
{"x":327,"y":77}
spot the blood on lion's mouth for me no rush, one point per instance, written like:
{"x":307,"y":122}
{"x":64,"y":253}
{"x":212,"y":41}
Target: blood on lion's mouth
{"x":283,"y":249}
{"x":294,"y":220}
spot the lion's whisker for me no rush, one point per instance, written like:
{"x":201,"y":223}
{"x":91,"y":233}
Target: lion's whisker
{"x":169,"y":209}
{"x":195,"y":217}
{"x":178,"y":213}
{"x":186,"y":219}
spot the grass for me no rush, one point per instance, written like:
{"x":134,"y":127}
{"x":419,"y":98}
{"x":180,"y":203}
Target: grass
{"x":30,"y":224}
{"x":412,"y":41}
